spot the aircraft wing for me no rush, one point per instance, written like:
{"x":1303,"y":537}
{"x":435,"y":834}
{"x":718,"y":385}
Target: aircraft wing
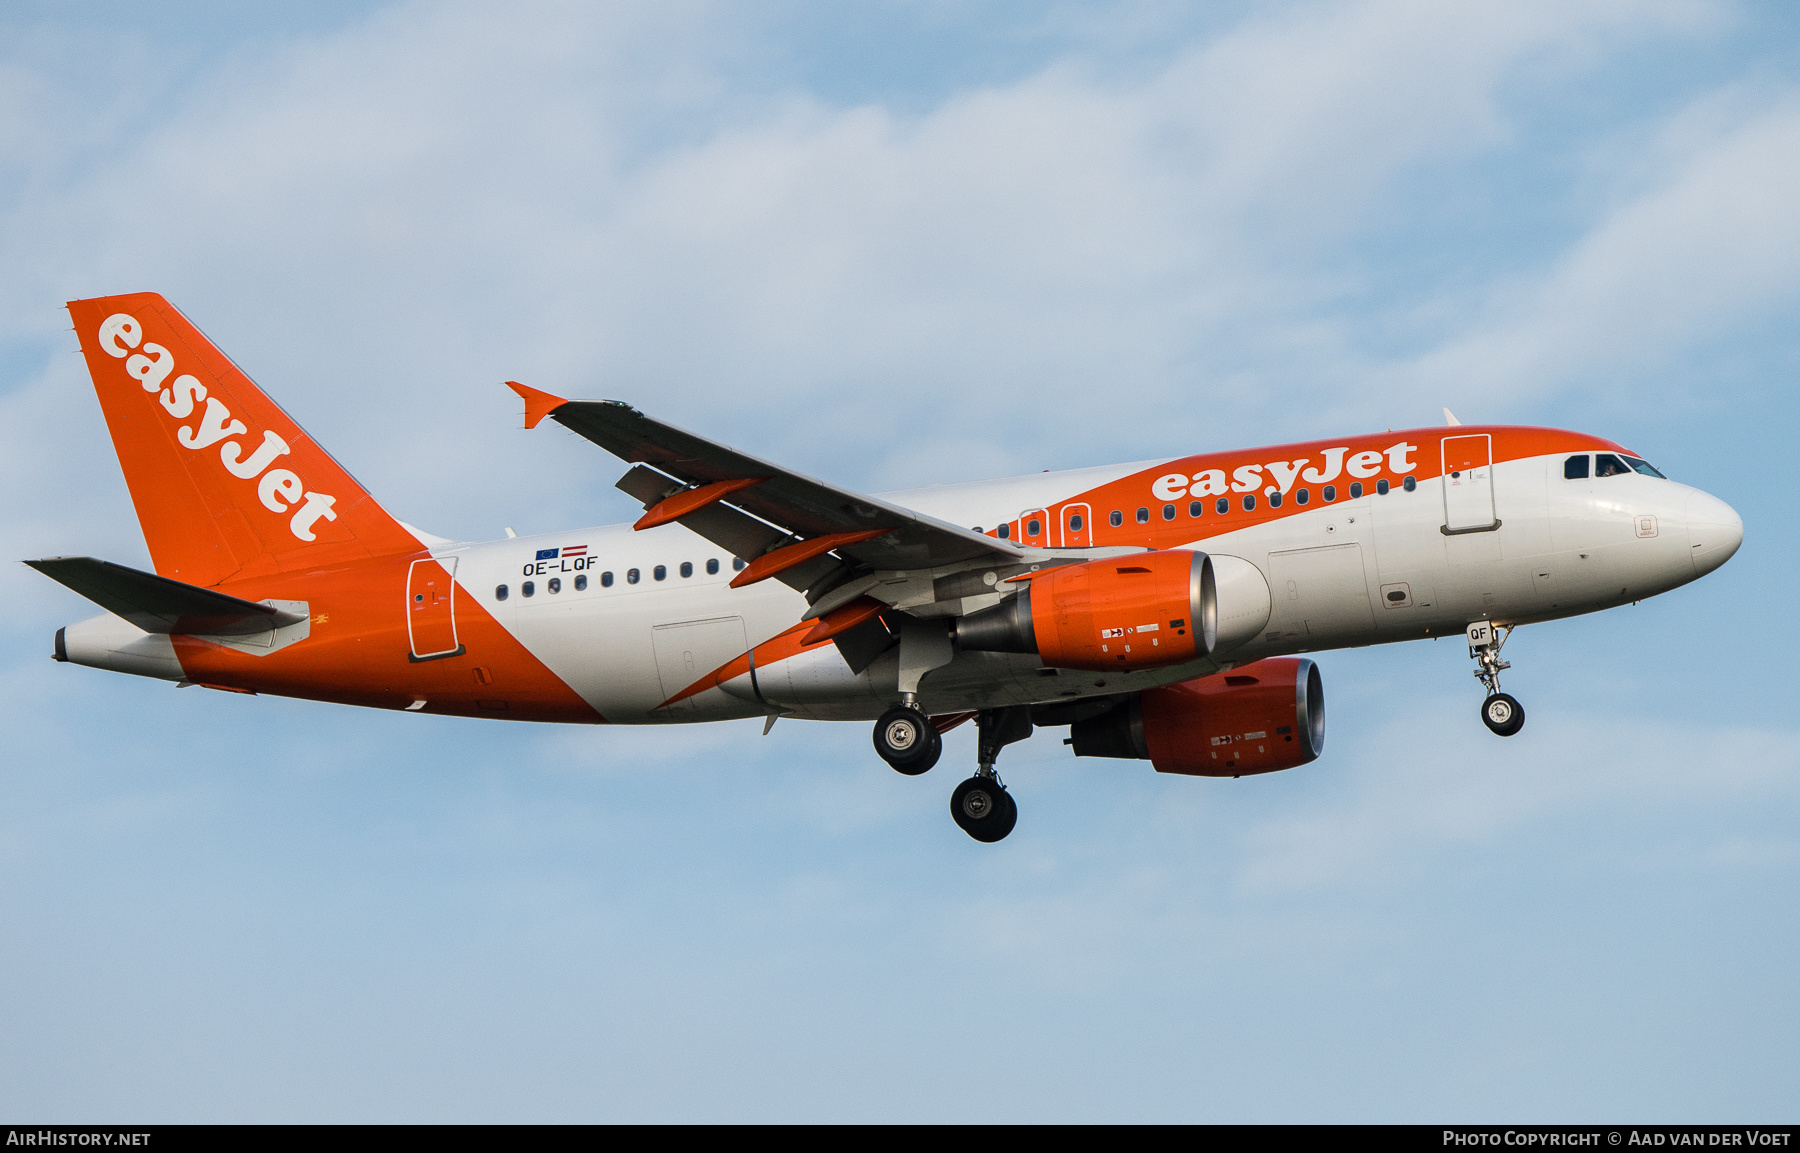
{"x":804,"y":509}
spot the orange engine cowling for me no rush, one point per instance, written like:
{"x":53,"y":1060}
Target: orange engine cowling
{"x":1261,"y":717}
{"x":1141,"y":611}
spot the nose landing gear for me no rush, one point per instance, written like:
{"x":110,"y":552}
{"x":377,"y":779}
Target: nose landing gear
{"x":1501,"y":712}
{"x":981,"y":806}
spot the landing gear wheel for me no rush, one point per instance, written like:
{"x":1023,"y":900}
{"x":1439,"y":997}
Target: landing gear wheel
{"x":906,"y":739}
{"x":983,"y":809}
{"x":1504,"y":715}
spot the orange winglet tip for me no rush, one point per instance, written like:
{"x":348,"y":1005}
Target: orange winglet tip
{"x":842,"y":619}
{"x":782,"y":559}
{"x":693,"y":500}
{"x":538,"y":404}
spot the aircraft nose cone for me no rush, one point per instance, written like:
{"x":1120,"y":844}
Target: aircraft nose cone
{"x":1715,"y":531}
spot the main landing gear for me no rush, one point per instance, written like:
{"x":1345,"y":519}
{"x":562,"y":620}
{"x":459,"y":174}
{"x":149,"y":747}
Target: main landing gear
{"x":980,"y":806}
{"x":1501,"y":713}
{"x":906,"y":739}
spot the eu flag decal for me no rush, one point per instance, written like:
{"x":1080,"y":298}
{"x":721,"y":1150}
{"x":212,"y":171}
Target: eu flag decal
{"x":546,"y":554}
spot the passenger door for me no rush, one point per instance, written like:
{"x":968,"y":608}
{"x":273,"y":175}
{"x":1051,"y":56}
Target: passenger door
{"x":1468,"y":483}
{"x":431,"y":609}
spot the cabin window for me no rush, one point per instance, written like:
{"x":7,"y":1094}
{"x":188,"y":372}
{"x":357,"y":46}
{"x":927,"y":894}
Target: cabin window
{"x":1576,"y":467}
{"x":527,"y":589}
{"x":1116,"y":519}
{"x":687,"y":568}
{"x":1301,"y":496}
{"x":712,"y":567}
{"x":1143,"y":516}
{"x":581,"y":583}
{"x":1004,"y":531}
{"x":737,"y":564}
{"x":1274,"y":498}
{"x":500,"y":593}
{"x":1644,"y":467}
{"x":1168,"y":512}
{"x":1075,"y":523}
{"x":660,"y":572}
{"x":1223,"y":505}
{"x":1195,"y":508}
{"x":554,"y":584}
{"x":1410,"y":483}
{"x":1355,"y":489}
{"x":1250,"y":503}
{"x":632,"y":576}
{"x":1329,"y":493}
{"x":1381,"y":487}
{"x":606,"y":580}
{"x":1034,"y":527}
{"x":1606,"y":464}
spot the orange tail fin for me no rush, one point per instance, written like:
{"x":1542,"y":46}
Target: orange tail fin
{"x":226,"y":485}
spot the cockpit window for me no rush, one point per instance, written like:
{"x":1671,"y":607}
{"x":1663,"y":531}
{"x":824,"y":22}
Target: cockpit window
{"x":1576,"y":467}
{"x":1644,"y":467}
{"x":1606,"y":464}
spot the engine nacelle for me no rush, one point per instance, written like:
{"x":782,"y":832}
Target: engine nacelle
{"x":1141,"y":611}
{"x":1258,"y":718}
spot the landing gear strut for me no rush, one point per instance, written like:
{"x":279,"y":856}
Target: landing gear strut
{"x":906,"y":739}
{"x":981,"y":806}
{"x":1501,"y":713}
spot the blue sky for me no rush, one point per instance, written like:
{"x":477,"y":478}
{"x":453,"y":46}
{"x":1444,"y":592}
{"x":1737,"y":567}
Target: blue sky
{"x":892,"y":245}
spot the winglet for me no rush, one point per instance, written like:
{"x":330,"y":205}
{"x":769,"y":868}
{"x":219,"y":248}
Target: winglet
{"x":538,"y":405}
{"x":1450,"y":419}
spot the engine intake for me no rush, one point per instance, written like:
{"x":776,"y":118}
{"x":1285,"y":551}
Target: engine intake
{"x":1142,"y":611}
{"x":1260,"y":718}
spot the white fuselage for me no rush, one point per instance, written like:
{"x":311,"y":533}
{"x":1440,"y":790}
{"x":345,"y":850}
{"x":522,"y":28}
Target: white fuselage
{"x":1361,"y":571}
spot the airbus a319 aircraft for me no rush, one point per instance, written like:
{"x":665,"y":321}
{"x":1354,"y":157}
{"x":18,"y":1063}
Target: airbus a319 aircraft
{"x":1156,"y":610}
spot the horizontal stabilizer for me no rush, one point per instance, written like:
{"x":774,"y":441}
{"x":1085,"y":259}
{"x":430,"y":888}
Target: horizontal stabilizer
{"x":161,"y":605}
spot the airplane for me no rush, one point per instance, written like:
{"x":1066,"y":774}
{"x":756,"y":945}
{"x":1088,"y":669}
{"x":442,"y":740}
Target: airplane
{"x":1158,"y":610}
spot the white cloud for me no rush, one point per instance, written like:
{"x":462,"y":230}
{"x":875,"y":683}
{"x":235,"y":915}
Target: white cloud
{"x":1454,"y":788}
{"x":1713,"y":247}
{"x":383,"y":222}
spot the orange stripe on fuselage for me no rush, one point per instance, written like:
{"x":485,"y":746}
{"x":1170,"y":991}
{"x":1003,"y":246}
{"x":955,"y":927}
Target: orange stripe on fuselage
{"x":1128,"y":494}
{"x":357,"y":652}
{"x":777,"y":648}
